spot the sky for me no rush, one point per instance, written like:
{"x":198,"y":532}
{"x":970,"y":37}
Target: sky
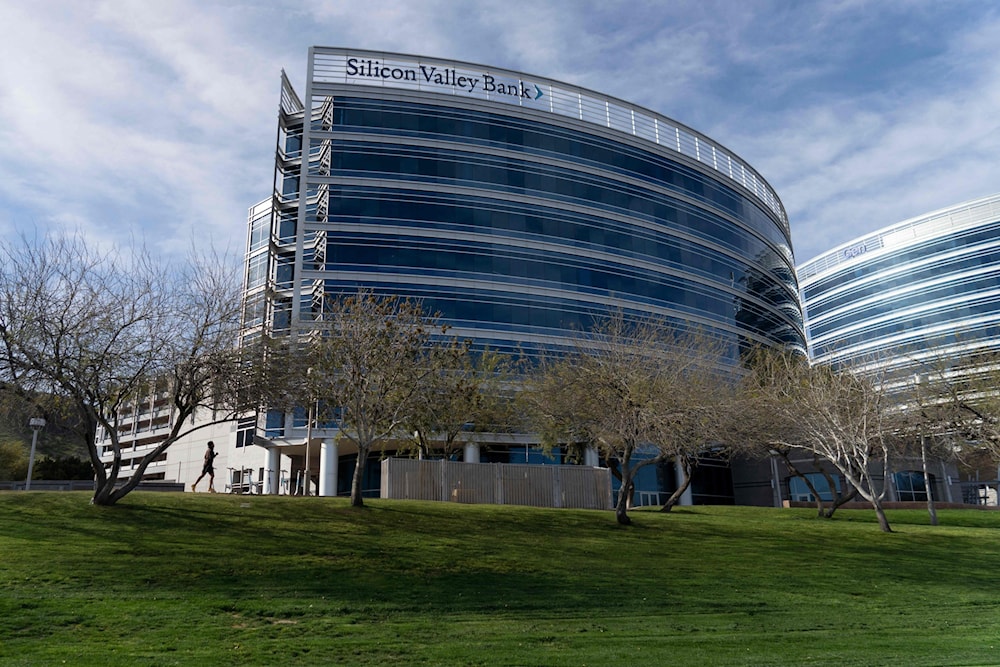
{"x":156,"y":121}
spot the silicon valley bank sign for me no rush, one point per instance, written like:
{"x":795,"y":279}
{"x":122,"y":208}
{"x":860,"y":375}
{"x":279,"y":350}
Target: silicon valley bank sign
{"x":364,"y":68}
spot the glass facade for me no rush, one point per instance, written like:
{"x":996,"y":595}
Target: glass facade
{"x":910,"y":486}
{"x":920,"y":291}
{"x":517,"y":207}
{"x":519,"y":220}
{"x":798,"y":489}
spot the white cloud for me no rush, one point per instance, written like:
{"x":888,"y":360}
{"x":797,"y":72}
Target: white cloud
{"x":938,"y":148}
{"x":126,"y":117}
{"x":862,"y":143}
{"x":134,"y":118}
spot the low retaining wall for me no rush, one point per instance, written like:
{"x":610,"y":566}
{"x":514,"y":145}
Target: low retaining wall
{"x":893,"y":505}
{"x":85,"y":485}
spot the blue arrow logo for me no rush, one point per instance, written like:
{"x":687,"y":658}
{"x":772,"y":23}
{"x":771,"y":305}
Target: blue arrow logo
{"x":538,"y":91}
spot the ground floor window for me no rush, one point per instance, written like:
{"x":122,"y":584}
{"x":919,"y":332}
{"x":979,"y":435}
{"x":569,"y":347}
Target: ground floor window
{"x":798,"y":489}
{"x":910,"y":485}
{"x":520,"y":454}
{"x":245,"y":428}
{"x":711,"y":481}
{"x":371,"y":476}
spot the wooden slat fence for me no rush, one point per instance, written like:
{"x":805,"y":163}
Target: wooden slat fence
{"x":580,"y":487}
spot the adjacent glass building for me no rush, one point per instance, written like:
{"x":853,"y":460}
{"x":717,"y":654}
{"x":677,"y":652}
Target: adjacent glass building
{"x":922,"y":289}
{"x":910,"y":298}
{"x":518,"y":207}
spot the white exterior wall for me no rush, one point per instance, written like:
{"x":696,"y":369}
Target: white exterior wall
{"x":185,"y":457}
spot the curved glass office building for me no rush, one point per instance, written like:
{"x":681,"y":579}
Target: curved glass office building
{"x":922,"y":289}
{"x":518,"y":207}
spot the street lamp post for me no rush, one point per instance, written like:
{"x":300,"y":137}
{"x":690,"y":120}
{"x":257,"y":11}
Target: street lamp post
{"x":36,"y":424}
{"x":309,"y":427}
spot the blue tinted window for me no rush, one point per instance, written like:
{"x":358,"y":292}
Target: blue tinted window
{"x":917,"y":323}
{"x":799,"y":491}
{"x":904,"y":257}
{"x":965,"y":292}
{"x":910,"y":486}
{"x":274,"y":424}
{"x":543,"y":139}
{"x":515,"y":176}
{"x":667,"y":242}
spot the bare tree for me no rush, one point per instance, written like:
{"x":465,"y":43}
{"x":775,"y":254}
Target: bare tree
{"x":961,"y":396}
{"x":839,"y":497}
{"x":367,"y":363}
{"x":635,"y":390}
{"x":467,"y":392}
{"x":697,"y":381}
{"x":92,"y":329}
{"x":952,"y":405}
{"x":13,"y":460}
{"x":750,"y":429}
{"x":926,"y":418}
{"x":841,"y":416}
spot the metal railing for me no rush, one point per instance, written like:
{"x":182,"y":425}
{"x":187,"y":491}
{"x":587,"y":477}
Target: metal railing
{"x":331,"y":66}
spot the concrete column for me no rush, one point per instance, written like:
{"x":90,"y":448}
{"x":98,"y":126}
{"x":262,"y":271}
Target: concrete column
{"x":889,"y":481}
{"x":471,"y":454}
{"x":946,"y":483}
{"x":272,"y":474}
{"x":591,"y":457}
{"x":329,"y":453}
{"x":686,"y":498}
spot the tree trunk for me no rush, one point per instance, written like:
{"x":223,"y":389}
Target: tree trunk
{"x":624,"y":498}
{"x":841,"y":499}
{"x":931,"y":509}
{"x":104,"y":480}
{"x":867,"y":492}
{"x":130,"y":484}
{"x":359,"y":473}
{"x":831,"y":484}
{"x":104,"y":486}
{"x":792,"y":468}
{"x":103,"y":493}
{"x":675,"y":498}
{"x":883,"y":522}
{"x":621,"y":513}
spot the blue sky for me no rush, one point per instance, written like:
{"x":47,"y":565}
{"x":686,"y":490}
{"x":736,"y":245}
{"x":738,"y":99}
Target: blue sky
{"x":156,"y":120}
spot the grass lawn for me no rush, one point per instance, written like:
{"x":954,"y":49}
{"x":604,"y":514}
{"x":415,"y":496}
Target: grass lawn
{"x":183,"y":579}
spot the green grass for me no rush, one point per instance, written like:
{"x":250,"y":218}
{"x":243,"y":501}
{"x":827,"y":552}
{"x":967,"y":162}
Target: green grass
{"x":166,"y":579}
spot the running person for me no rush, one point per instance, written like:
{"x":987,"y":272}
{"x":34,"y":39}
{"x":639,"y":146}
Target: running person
{"x":208,"y":468}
